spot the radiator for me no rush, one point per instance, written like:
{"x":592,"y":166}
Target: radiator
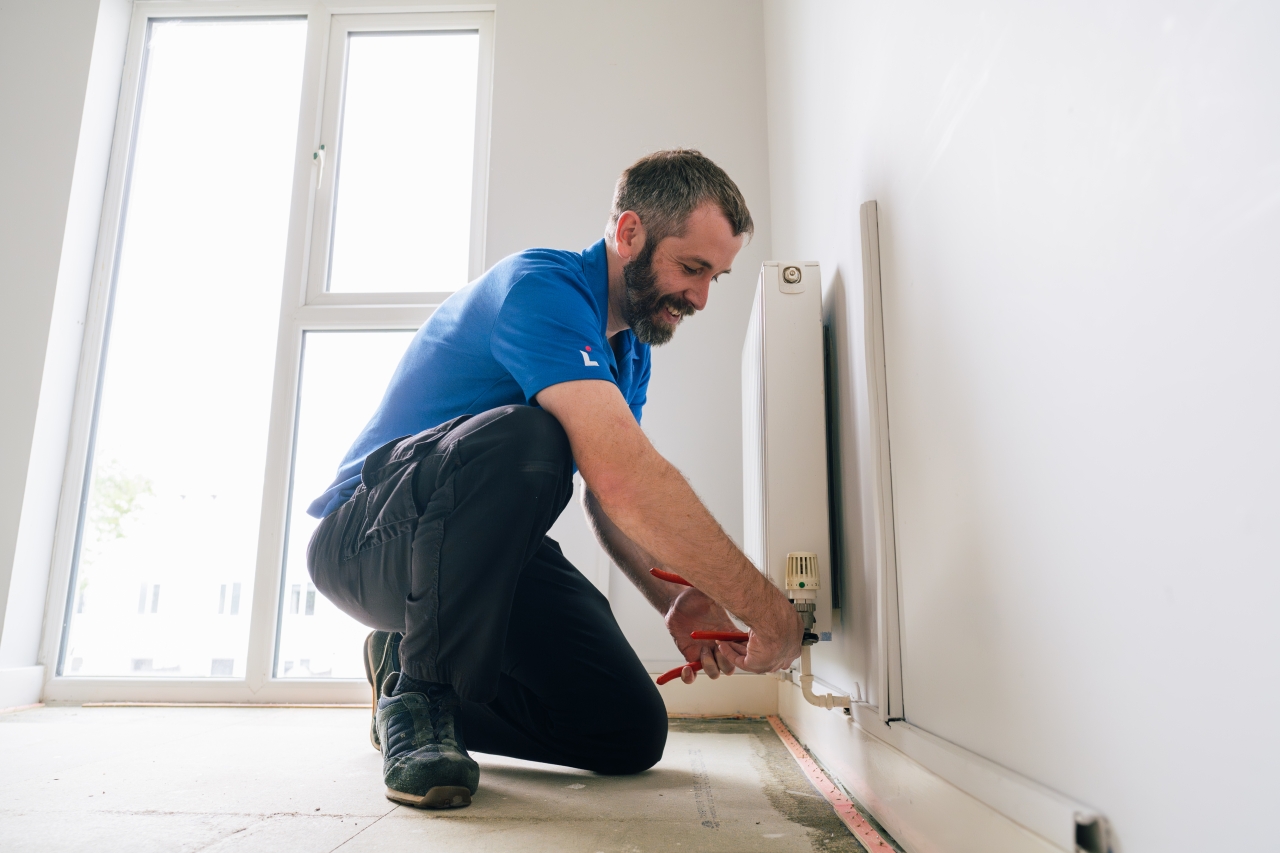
{"x":784,"y":439}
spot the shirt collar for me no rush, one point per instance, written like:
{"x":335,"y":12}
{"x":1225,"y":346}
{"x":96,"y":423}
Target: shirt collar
{"x":595,"y":265}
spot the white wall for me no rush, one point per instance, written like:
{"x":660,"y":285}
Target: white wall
{"x":581,"y":89}
{"x":1079,"y":211}
{"x":60,"y":64}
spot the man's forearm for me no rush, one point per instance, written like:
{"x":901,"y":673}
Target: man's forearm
{"x":627,"y":555}
{"x":663,"y":517}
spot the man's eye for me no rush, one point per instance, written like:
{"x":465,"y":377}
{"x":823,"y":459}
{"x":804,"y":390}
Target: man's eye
{"x":689,"y":270}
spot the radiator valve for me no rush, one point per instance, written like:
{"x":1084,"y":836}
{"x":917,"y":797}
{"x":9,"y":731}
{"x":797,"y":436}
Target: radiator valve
{"x":802,"y":589}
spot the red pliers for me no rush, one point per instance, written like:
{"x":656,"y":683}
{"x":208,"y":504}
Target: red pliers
{"x":695,"y":665}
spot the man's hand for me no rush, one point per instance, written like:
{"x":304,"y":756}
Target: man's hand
{"x":692,"y":611}
{"x":773,"y":644}
{"x":769,"y":647}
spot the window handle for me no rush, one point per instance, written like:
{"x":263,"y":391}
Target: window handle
{"x":317,"y":157}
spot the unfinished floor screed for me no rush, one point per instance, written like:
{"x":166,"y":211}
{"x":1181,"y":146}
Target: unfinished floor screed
{"x":212,"y":779}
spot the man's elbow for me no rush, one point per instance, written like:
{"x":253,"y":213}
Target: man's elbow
{"x":618,"y":485}
{"x":610,"y":491}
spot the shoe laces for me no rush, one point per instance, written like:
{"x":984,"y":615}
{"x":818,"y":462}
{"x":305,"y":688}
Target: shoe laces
{"x":422,"y":720}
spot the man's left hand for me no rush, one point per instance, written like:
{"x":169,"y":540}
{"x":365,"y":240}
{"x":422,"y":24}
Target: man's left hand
{"x":691,"y":611}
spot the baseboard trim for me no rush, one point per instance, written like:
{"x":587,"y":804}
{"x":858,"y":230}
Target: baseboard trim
{"x":742,"y":693}
{"x":79,"y":690}
{"x":923,"y":811}
{"x":20,"y":686}
{"x":1042,"y":810}
{"x":739,"y":694}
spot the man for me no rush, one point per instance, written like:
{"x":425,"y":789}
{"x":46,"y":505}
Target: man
{"x":435,"y":528}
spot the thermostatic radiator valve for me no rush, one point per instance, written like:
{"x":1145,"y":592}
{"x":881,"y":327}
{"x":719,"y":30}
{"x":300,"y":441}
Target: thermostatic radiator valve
{"x":802,"y":589}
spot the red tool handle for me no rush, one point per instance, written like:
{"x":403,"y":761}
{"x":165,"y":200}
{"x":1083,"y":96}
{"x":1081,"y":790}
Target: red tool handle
{"x":671,"y":674}
{"x":731,"y":636}
{"x":670,"y":577}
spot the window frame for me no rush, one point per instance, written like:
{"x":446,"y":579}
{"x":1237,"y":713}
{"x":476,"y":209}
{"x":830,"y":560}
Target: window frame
{"x":302,"y":310}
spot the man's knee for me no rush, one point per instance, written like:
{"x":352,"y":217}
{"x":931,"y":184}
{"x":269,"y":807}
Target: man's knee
{"x":642,"y":741}
{"x":531,"y":437}
{"x":541,"y":432}
{"x":519,"y":452}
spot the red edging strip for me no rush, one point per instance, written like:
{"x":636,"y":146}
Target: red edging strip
{"x":844,"y":807}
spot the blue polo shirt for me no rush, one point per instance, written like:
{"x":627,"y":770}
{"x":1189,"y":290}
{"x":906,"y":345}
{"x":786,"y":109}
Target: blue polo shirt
{"x":535,"y":319}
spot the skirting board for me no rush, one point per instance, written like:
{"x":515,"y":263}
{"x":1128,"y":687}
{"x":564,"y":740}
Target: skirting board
{"x":20,"y":686}
{"x":751,"y":695}
{"x":741,"y":693}
{"x":74,"y":691}
{"x":921,"y":810}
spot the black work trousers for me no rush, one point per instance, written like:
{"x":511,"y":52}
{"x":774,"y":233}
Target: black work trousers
{"x":445,"y":542}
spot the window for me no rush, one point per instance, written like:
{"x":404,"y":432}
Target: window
{"x":400,"y":197}
{"x":175,"y":488}
{"x":277,"y":243}
{"x":343,"y":377}
{"x":402,"y":171}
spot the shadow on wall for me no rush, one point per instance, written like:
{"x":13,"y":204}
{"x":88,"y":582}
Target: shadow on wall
{"x":856,"y":588}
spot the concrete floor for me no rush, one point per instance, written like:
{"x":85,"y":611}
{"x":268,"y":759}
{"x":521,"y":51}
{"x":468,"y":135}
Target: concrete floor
{"x":222,"y":779}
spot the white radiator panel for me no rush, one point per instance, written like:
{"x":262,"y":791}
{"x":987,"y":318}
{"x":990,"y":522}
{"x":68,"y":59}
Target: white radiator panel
{"x":784,"y":427}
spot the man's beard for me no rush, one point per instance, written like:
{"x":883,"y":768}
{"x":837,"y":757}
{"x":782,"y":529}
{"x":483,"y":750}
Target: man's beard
{"x":643,"y":302}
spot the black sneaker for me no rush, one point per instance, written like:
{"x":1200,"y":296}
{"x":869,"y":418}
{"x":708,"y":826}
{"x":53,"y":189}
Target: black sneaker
{"x":381,"y":658}
{"x":424,"y":761}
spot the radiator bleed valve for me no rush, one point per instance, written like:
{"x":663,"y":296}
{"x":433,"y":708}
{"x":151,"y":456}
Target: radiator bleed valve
{"x":802,"y":589}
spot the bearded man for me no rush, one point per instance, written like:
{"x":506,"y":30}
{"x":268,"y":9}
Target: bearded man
{"x":434,"y":532}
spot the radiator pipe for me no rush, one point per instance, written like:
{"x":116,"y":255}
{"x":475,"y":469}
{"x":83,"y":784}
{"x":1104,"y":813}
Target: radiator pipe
{"x":824,"y":700}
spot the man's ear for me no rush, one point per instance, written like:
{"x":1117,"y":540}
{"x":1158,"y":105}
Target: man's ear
{"x":628,"y":238}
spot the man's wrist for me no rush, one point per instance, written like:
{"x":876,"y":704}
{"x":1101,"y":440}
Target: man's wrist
{"x":761,"y":602}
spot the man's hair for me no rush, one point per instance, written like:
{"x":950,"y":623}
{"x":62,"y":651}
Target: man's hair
{"x":664,"y":187}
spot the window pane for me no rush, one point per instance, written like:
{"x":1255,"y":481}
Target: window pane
{"x":402,"y":201}
{"x":344,"y":375}
{"x":169,"y":543}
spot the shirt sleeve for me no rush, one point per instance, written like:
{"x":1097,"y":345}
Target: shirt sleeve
{"x":547,"y":332}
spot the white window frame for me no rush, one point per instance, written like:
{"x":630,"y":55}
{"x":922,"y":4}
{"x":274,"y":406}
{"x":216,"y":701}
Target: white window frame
{"x":305,"y":307}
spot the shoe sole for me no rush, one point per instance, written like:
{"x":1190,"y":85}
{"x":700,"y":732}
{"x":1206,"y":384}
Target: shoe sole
{"x":440,"y":797}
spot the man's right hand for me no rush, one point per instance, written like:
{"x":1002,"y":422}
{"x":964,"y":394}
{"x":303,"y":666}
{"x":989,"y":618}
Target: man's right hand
{"x":650,"y":501}
{"x":770,"y":646}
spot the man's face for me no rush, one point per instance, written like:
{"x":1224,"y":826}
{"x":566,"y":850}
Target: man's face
{"x":670,"y":280}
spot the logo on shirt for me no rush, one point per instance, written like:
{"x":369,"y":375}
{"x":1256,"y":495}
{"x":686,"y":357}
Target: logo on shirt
{"x":586,"y":358}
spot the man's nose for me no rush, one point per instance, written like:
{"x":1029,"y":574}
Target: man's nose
{"x":698,"y":294}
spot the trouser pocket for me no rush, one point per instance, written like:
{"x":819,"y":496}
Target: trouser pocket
{"x":384,"y":504}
